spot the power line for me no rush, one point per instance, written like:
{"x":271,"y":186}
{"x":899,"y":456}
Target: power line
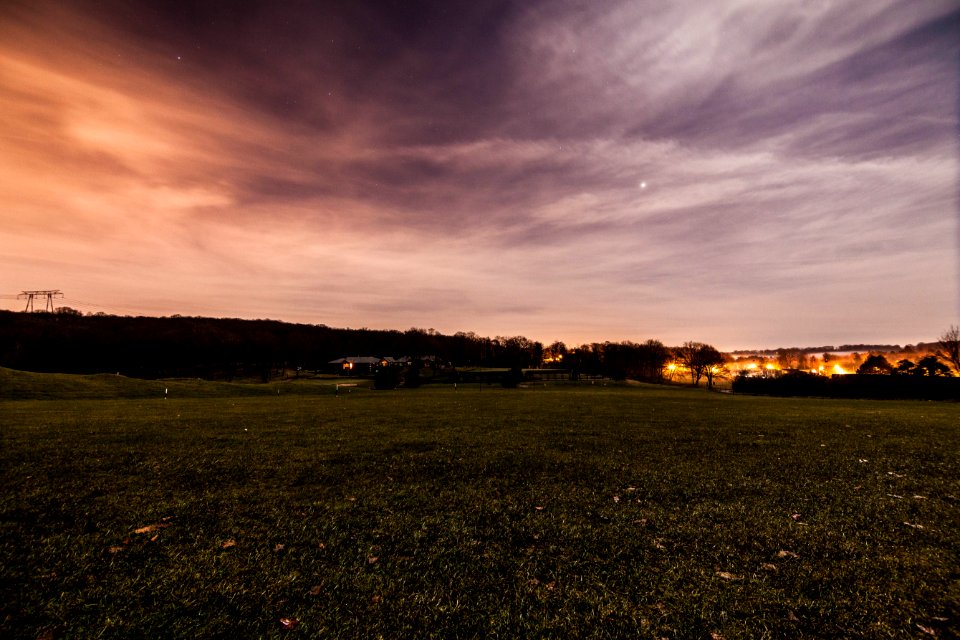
{"x":51,"y":294}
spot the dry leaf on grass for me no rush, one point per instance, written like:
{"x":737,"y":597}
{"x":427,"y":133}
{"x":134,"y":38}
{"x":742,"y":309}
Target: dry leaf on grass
{"x":716,"y":636}
{"x":115,"y":549}
{"x":768,"y":566}
{"x":315,"y":590}
{"x":228,"y":544}
{"x":915,"y":526}
{"x":280,"y":547}
{"x":372,"y":559}
{"x":150,"y":528}
{"x":783,"y":553}
{"x":791,"y":616}
{"x":289,"y":623}
{"x":927,"y":630}
{"x":726,"y":575}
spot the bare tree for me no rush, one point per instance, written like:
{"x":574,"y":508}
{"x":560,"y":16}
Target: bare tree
{"x":715,"y":366}
{"x":687,"y":356}
{"x":699,"y":359}
{"x":554,"y":354}
{"x":950,"y":347}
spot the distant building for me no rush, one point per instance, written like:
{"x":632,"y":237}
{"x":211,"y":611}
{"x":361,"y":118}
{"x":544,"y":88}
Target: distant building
{"x":364,"y":365}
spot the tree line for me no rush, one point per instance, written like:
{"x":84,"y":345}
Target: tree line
{"x":931,"y":377}
{"x":227,"y":348}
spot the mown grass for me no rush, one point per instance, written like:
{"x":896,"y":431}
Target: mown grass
{"x":620,"y":511}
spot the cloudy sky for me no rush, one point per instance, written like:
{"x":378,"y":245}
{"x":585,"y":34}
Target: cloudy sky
{"x":750,"y":173}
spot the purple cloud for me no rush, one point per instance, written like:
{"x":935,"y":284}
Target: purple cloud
{"x":744,"y":173}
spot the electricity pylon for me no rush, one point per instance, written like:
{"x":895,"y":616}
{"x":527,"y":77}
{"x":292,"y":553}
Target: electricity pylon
{"x":50,"y":295}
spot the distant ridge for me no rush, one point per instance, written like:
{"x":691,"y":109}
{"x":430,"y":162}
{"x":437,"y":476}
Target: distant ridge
{"x":862,"y":348}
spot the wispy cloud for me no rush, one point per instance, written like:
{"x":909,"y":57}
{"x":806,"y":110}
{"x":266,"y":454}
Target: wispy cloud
{"x":741,"y":172}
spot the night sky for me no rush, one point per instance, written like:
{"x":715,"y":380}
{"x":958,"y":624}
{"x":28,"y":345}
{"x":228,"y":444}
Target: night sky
{"x":749,"y":173}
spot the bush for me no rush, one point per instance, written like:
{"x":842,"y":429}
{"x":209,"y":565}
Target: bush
{"x":411,"y":378}
{"x":881,"y":387}
{"x":512,"y":378}
{"x":386,"y":378}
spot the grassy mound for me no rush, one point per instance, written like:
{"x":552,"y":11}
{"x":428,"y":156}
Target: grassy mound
{"x":25,"y":385}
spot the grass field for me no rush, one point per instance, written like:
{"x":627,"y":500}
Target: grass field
{"x":558,"y":511}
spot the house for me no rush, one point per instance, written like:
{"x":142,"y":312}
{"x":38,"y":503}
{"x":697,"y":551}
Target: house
{"x":364,"y":365}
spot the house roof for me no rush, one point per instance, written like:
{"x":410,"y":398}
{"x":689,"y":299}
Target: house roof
{"x":357,"y":360}
{"x":367,"y":360}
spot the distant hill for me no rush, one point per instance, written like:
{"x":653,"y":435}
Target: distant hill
{"x":860,"y":348}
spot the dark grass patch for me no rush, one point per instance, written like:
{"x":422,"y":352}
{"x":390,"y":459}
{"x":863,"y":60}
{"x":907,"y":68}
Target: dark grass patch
{"x":570,"y":512}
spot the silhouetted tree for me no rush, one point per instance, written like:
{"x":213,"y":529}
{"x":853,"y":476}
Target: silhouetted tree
{"x":386,"y":377}
{"x":554,"y":355}
{"x":875,"y":364}
{"x":931,"y":366}
{"x":411,"y":377}
{"x":653,"y":357}
{"x":905,"y":367}
{"x":715,"y":366}
{"x":790,"y":358}
{"x":949,"y":347}
{"x":697,"y":357}
{"x":67,"y":311}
